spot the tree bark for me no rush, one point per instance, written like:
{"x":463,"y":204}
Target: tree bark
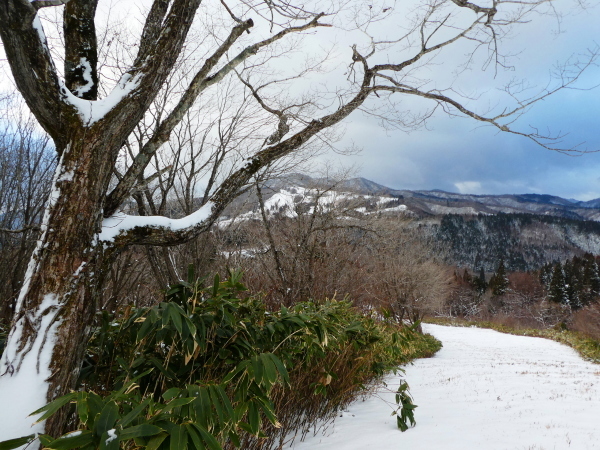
{"x":65,"y":272}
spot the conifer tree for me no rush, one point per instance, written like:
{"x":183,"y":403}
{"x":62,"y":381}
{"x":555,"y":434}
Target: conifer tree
{"x":499,"y":281}
{"x":546,"y":275}
{"x":573,"y":282}
{"x":467,"y":278}
{"x":591,"y":279}
{"x":557,"y":292}
{"x":479,"y":282}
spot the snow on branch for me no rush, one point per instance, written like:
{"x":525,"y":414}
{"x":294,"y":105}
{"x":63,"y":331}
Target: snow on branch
{"x":93,"y":111}
{"x":156,"y":230}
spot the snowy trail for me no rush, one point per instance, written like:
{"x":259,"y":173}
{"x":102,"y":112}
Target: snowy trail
{"x":483,"y":390}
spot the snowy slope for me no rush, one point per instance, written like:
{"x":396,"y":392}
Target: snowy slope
{"x":483,"y":390}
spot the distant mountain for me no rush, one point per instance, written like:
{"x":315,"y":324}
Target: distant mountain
{"x":590,"y":203}
{"x":436,"y":202}
{"x":526,"y":230}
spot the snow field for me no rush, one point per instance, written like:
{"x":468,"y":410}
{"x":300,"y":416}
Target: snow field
{"x":483,"y":390}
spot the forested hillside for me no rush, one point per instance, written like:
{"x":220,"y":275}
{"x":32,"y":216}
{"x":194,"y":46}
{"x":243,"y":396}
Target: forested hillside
{"x":523,"y":241}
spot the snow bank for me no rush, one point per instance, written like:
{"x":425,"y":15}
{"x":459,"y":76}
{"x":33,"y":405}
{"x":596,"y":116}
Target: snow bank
{"x":483,"y":390}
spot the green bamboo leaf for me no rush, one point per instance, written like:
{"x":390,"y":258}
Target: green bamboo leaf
{"x":257,"y":368}
{"x":82,"y":407}
{"x":53,"y":406}
{"x":107,"y":418}
{"x":234,"y":437}
{"x":175,"y":314}
{"x":174,"y":290}
{"x":191,"y":326}
{"x":159,"y":365}
{"x":246,"y":427}
{"x":241,"y":367}
{"x":216,"y":282}
{"x":253,"y":418}
{"x":164,"y":314}
{"x":145,"y":329}
{"x":190,"y":273}
{"x":177,"y":403}
{"x":142,"y":430}
{"x":179,"y":438}
{"x":76,"y":439}
{"x":45,"y":440}
{"x":202,"y":406}
{"x":208,"y":438}
{"x":171,"y":393}
{"x":196,"y":439}
{"x":226,"y":402}
{"x":214,"y":396}
{"x":16,"y":443}
{"x":267,"y":408}
{"x":135,"y":412}
{"x":95,"y":405}
{"x":401,"y":424}
{"x":155,"y":442}
{"x":137,"y":377}
{"x":269,"y":366}
{"x":283,"y":373}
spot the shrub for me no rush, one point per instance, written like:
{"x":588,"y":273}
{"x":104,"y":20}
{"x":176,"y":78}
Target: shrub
{"x":213,"y":368}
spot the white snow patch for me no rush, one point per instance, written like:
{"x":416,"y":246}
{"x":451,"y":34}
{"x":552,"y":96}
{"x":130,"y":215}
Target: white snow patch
{"x":79,"y":269}
{"x":71,"y":434}
{"x":37,"y":25}
{"x":66,"y":176}
{"x":439,"y":209}
{"x":117,"y":223}
{"x":399,"y":208}
{"x":112,"y":435}
{"x":482,"y":390}
{"x":93,"y":111}
{"x":23,"y":389}
{"x":52,"y":198}
{"x":87,"y":76}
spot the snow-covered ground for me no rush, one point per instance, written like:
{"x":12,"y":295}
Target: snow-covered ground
{"x":483,"y":390}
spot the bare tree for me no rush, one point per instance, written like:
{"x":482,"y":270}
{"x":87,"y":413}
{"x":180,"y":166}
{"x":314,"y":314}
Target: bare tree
{"x":26,"y":165}
{"x":409,"y":280}
{"x":82,"y":231}
{"x":309,"y":243}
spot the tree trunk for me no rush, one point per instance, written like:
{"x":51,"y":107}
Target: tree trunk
{"x":58,"y":300}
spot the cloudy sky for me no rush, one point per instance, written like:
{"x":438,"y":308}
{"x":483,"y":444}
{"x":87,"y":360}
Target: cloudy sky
{"x":459,"y":155}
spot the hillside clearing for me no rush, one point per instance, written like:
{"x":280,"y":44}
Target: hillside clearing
{"x":484,"y":389}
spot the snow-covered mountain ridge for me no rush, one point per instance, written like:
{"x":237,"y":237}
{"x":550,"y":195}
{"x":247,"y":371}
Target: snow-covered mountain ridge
{"x":425,"y":203}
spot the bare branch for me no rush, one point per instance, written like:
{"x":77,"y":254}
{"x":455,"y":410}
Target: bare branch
{"x":200,"y":82}
{"x":488,"y":12}
{"x":39,"y":4}
{"x":233,"y":16}
{"x":20,"y":230}
{"x":31,"y":65}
